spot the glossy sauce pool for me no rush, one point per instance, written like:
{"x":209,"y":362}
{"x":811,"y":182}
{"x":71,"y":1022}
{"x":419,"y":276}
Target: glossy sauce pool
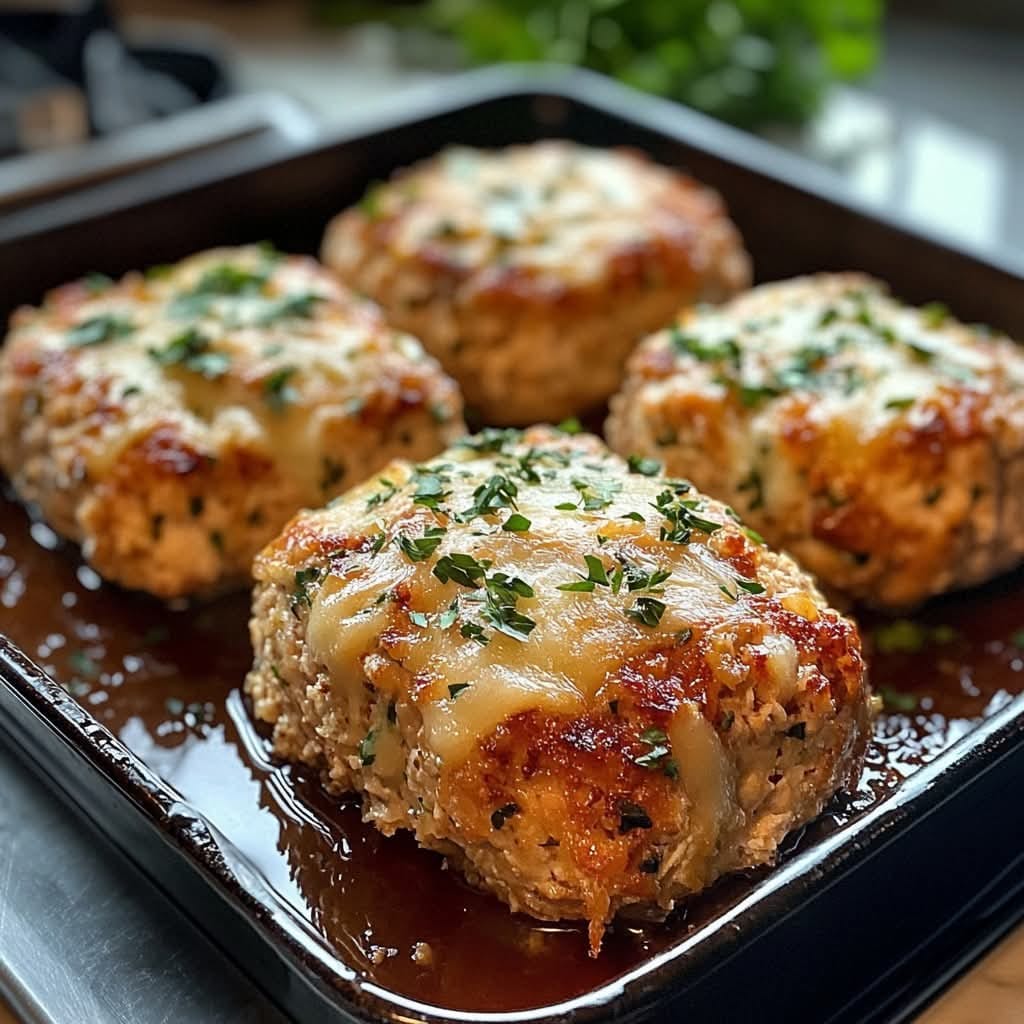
{"x":168,"y":684}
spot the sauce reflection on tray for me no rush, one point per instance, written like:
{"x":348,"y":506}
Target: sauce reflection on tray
{"x":168,"y":684}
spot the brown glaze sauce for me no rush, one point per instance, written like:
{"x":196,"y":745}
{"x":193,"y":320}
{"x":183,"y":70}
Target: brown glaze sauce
{"x":167,"y":682}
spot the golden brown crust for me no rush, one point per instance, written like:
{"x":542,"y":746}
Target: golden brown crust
{"x":531,"y":272}
{"x":883,"y":446}
{"x":594,"y":761}
{"x":172,"y":423}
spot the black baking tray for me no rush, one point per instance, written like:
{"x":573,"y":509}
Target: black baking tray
{"x":839,"y":931}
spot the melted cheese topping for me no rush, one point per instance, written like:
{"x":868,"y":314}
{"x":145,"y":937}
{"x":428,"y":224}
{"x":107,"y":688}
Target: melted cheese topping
{"x":865,"y":358}
{"x":709,"y":782}
{"x":548,"y":207}
{"x":465,"y":688}
{"x":234,"y":344}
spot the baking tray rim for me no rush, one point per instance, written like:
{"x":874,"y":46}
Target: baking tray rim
{"x":228,"y":871}
{"x":479,"y":87}
{"x":219,"y":862}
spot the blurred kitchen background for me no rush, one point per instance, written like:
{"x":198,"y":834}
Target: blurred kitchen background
{"x":918,"y":104}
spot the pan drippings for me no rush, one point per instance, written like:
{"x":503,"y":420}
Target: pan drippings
{"x":167,"y":682}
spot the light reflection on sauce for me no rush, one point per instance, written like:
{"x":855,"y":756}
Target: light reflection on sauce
{"x":166,"y":682}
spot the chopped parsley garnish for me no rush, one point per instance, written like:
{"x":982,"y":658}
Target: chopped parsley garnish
{"x":640,"y":579}
{"x":454,"y":689}
{"x":277,"y":390}
{"x":491,"y":440}
{"x":647,"y":611}
{"x":430,"y":491}
{"x":418,"y":549}
{"x":898,"y":700}
{"x":366,"y":748}
{"x":750,"y":586}
{"x":752,"y":395}
{"x":594,"y":494}
{"x":191,"y":349}
{"x":471,"y":631}
{"x":657,"y":757}
{"x":502,"y":592}
{"x":633,"y":816}
{"x":681,"y":515}
{"x":645,"y":467}
{"x":370,"y":203}
{"x":227,"y":279}
{"x":379,"y":497}
{"x":502,"y":814}
{"x":635,"y":516}
{"x":291,"y":307}
{"x":500,"y":605}
{"x":597,"y":575}
{"x":462,"y":569}
{"x":706,"y":351}
{"x":899,"y":403}
{"x":934,"y":314}
{"x":98,"y":329}
{"x":303,"y":579}
{"x":516,"y":523}
{"x":447,"y":618}
{"x":924,"y":353}
{"x":495,"y":493}
{"x":571,"y":426}
{"x":217,"y":282}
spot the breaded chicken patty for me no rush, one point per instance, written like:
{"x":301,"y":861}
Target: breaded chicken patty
{"x":882,"y":445}
{"x":172,"y":422}
{"x":532,"y":272}
{"x":588,"y":685}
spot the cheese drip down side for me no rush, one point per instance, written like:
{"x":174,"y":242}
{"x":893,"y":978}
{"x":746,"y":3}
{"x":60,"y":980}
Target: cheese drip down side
{"x":464,"y":673}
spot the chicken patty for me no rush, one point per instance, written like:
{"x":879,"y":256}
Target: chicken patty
{"x":882,"y":445}
{"x":532,"y":272}
{"x":589,"y":686}
{"x":172,"y":422}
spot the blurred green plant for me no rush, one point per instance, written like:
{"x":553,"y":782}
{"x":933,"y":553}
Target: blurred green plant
{"x":751,"y":62}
